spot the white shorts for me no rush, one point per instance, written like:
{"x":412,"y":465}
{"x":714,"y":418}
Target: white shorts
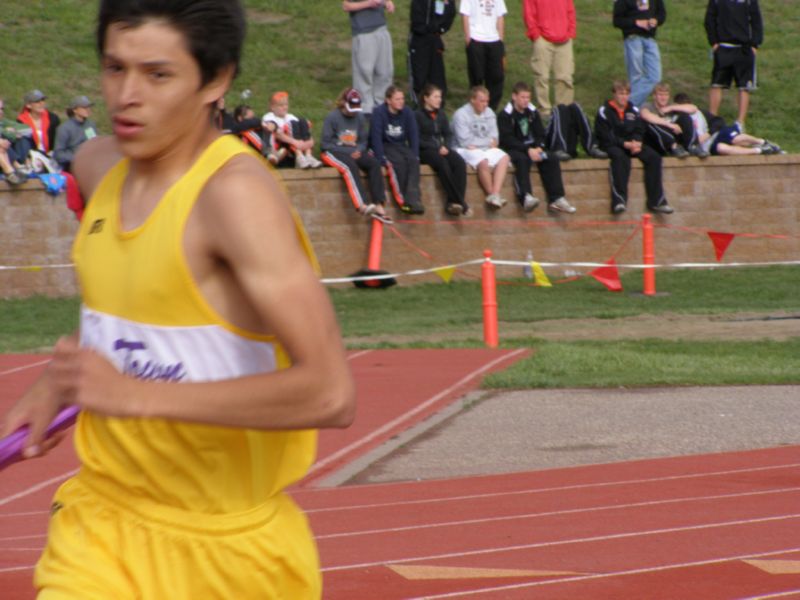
{"x":473,"y":157}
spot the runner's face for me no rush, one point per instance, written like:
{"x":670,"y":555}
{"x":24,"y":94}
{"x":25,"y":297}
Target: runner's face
{"x":151,"y":85}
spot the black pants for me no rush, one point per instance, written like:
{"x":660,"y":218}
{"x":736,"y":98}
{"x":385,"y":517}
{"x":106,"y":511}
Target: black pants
{"x":349,"y":168}
{"x":621,"y":171}
{"x":569,"y":125}
{"x":451,"y":170}
{"x":426,"y":64}
{"x":549,"y":172}
{"x":661,"y":138}
{"x":403,"y":174}
{"x":485,"y":67}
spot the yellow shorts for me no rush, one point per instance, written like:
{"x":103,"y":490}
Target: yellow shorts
{"x":99,"y":549}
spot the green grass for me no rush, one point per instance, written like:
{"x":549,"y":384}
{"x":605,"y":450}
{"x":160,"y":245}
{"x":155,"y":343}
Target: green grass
{"x":304,"y":48}
{"x":411,"y":316}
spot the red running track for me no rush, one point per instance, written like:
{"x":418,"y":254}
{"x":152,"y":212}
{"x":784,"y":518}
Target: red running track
{"x":723,"y":526}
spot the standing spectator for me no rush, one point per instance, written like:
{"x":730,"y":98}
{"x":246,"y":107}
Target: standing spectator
{"x":290,"y":141}
{"x":394,"y":139}
{"x":620,"y":132}
{"x":735,"y":31}
{"x":551,"y":26}
{"x":373,"y":64}
{"x":42,"y":122}
{"x":435,"y":149}
{"x":475,"y":134}
{"x":73,"y":132}
{"x":344,"y":147}
{"x":670,"y":128}
{"x":484,"y":30}
{"x":639,"y":20}
{"x":430,"y":20}
{"x":522,"y":135}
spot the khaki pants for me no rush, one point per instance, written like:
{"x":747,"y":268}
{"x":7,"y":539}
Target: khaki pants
{"x":558,"y":58}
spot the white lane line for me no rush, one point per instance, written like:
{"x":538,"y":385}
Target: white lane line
{"x":785,"y":594}
{"x":599,"y":538}
{"x":24,"y":367}
{"x":12,"y":569}
{"x":23,"y":537}
{"x":358,"y":354}
{"x":35,"y":488}
{"x":407,"y":415}
{"x":555,"y":513}
{"x":641,"y":571}
{"x":30,"y":513}
{"x":579,"y":486}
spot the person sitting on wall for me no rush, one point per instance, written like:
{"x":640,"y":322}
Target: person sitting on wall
{"x":289,"y":137}
{"x":42,"y":122}
{"x":74,"y":131}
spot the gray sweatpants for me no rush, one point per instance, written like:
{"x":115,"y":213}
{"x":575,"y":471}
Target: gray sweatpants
{"x":373,"y":66}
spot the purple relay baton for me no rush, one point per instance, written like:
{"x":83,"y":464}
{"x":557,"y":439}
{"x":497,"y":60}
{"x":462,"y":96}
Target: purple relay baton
{"x":11,"y":445}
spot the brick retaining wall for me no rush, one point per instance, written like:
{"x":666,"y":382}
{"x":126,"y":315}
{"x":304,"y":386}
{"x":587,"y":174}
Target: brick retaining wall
{"x":759,"y":194}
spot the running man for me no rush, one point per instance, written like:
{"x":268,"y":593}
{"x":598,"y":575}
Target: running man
{"x":208,"y":350}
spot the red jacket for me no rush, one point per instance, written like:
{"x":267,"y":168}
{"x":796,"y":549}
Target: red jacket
{"x":554,"y":20}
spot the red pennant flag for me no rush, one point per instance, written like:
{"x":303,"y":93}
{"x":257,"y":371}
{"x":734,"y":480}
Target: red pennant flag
{"x":608,"y":276}
{"x":721,"y":242}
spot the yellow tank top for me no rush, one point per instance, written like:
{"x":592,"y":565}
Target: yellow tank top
{"x":142,"y":310}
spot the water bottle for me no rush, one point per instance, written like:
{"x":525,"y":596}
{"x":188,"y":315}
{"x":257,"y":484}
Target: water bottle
{"x":527,"y":270}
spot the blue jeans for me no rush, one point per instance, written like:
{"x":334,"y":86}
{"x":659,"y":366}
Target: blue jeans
{"x":643,"y":61}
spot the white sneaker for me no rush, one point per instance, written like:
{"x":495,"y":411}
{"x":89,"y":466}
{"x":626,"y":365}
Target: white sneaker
{"x":300,"y":161}
{"x":561,"y":205}
{"x":529,"y":202}
{"x":313,"y":163}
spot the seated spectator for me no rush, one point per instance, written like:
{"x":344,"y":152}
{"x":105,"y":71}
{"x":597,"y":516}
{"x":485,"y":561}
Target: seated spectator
{"x":344,"y":147}
{"x":42,"y":122}
{"x":476,"y":138}
{"x":724,"y":139}
{"x":670,"y":129}
{"x":435,"y":142}
{"x":394,"y":140}
{"x":73,"y":132}
{"x":522,"y":136}
{"x":620,"y":132}
{"x":12,"y":176}
{"x":568,"y":125}
{"x":248,"y":127}
{"x":20,"y":137}
{"x":290,"y":141}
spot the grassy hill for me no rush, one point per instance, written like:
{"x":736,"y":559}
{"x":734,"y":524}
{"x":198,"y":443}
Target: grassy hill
{"x":304,"y":48}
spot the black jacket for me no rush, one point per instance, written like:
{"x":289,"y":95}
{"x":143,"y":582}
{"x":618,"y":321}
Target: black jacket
{"x":510,"y":127}
{"x":627,"y":12}
{"x":425,"y":21}
{"x":613,"y":131}
{"x":734,"y":22}
{"x":434,"y":130}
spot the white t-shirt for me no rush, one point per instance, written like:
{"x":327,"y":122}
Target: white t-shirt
{"x":483,"y":15}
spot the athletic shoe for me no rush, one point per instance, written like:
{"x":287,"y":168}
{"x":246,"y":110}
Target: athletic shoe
{"x":368,"y":210}
{"x":698,"y":151}
{"x":595,"y":152}
{"x":769,"y":148}
{"x":413,"y":209}
{"x":619,"y":208}
{"x":276,"y":157}
{"x":663,"y":208}
{"x":679,"y":152}
{"x":561,"y":205}
{"x":561,"y":155}
{"x":15,"y":178}
{"x":468,"y":212}
{"x":383,"y":218}
{"x":529,"y":202}
{"x":454,"y":209}
{"x":495,"y":201}
{"x":300,"y":161}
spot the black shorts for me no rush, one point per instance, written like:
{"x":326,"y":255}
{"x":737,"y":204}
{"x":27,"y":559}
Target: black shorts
{"x":737,"y":63}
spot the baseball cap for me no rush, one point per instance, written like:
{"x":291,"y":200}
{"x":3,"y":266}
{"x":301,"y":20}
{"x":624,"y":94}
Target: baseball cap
{"x":80,"y":102}
{"x":352,"y":100}
{"x":34,"y":96}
